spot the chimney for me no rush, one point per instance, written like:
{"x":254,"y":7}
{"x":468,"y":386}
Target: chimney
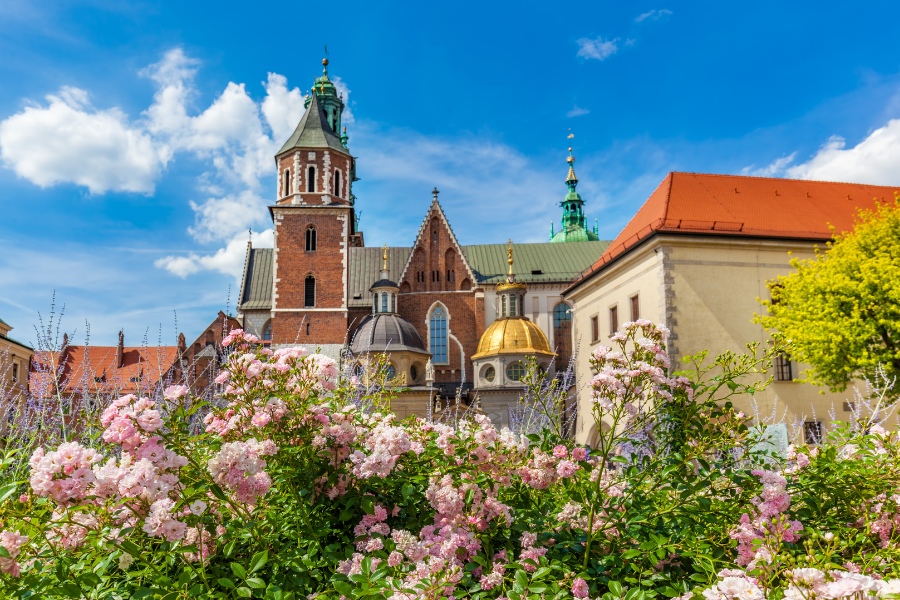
{"x":120,"y":351}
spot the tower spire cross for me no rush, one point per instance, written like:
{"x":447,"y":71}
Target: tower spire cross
{"x":435,"y":192}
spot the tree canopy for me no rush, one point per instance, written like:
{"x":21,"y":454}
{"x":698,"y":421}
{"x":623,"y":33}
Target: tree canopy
{"x":841,"y":309}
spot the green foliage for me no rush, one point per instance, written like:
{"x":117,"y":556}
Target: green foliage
{"x":841,"y":309}
{"x":648,"y":515}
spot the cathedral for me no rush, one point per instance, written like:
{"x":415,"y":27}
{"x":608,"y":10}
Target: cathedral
{"x":453,"y":320}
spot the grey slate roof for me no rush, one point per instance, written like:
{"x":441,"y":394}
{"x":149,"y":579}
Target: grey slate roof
{"x":386,"y":333}
{"x":365,"y":269}
{"x":313,"y":131}
{"x":258,"y":286}
{"x":555,"y":262}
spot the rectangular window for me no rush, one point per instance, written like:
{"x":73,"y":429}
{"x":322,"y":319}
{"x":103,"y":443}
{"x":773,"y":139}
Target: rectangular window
{"x":783,"y":370}
{"x":15,"y":372}
{"x":311,"y":179}
{"x":595,"y":329}
{"x":812,"y":432}
{"x":613,"y":320}
{"x":635,"y":308}
{"x":849,"y":406}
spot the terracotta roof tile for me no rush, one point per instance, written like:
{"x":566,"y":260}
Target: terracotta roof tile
{"x":94,"y":369}
{"x":735,"y":205}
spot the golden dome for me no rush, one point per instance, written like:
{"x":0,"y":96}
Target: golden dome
{"x":517,"y":335}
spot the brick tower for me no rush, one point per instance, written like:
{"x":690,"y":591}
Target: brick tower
{"x":314,"y":226}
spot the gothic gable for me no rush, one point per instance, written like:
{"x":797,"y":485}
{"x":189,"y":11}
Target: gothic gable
{"x":437,"y":261}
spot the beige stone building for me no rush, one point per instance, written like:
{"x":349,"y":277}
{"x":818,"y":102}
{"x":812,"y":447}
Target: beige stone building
{"x":696,"y":257}
{"x":15,"y":362}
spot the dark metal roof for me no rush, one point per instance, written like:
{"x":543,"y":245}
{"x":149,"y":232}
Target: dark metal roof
{"x":533,"y":263}
{"x":383,"y":283}
{"x":313,"y":131}
{"x":555,"y":263}
{"x":386,"y":333}
{"x":365,"y":268}
{"x":257,"y":285}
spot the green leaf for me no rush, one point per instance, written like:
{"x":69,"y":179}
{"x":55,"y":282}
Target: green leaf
{"x":541,"y":572}
{"x":8,"y":490}
{"x":142,"y":592}
{"x":239,"y":570}
{"x":244,"y":592}
{"x":616,"y":588}
{"x":407,"y":490}
{"x":344,"y":588}
{"x":227,"y":583}
{"x":368,"y":504}
{"x":259,"y":560}
{"x":256,"y":582}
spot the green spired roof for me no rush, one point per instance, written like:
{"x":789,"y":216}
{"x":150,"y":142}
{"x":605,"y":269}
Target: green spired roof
{"x":256,"y":290}
{"x":535,"y":263}
{"x":574,"y":227}
{"x":313,"y":131}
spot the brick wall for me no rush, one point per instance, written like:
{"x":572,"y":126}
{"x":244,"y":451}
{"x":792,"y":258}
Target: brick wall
{"x":309,"y":328}
{"x":462,"y":325}
{"x":326,"y":163}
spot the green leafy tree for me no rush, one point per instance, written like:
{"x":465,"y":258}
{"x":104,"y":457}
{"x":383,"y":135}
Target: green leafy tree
{"x":841,"y":308}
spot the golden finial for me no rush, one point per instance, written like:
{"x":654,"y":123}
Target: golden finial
{"x":509,"y":256}
{"x":384,"y":258}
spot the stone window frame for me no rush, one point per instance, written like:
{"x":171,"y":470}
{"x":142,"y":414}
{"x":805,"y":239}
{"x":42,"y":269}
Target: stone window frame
{"x":311,"y":180}
{"x":306,"y":278}
{"x":447,"y":331}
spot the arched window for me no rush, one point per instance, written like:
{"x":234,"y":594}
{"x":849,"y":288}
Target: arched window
{"x":512,"y":305}
{"x":393,"y":303}
{"x":384,"y":301}
{"x":375,"y":307}
{"x":439,"y":336}
{"x":309,"y":291}
{"x":286,"y":184}
{"x":311,"y":239}
{"x":267,"y":331}
{"x":311,"y":179}
{"x":562,"y":335}
{"x":337,"y":183}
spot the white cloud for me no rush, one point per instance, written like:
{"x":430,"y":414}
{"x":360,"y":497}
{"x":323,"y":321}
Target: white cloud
{"x":775,"y":169}
{"x":874,"y":160}
{"x":597,"y":48}
{"x":222,"y":218}
{"x":68,"y":141}
{"x":653,"y":14}
{"x":228,"y":260}
{"x":281,"y":108}
{"x":577,"y":112}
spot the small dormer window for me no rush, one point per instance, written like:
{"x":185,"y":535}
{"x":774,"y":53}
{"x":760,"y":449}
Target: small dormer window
{"x":512,"y":305}
{"x":502,"y":306}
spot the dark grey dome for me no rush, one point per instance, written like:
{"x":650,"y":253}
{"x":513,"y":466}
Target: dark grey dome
{"x":384,"y":283}
{"x":386,"y":333}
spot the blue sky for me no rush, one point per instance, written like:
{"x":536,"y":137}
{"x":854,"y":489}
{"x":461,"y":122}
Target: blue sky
{"x":136,"y":141}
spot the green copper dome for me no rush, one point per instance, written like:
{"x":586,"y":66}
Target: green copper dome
{"x":574,"y":226}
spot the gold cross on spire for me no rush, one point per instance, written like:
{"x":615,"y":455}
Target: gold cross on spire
{"x":384,"y":258}
{"x":509,"y":255}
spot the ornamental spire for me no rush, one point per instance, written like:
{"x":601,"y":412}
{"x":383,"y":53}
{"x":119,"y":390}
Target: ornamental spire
{"x":571,"y":180}
{"x":385,"y":272}
{"x":510,"y":278}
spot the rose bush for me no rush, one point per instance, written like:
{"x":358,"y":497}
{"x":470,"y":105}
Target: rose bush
{"x":301,"y":483}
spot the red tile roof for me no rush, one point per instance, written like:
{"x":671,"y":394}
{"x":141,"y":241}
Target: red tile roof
{"x":734,"y":205}
{"x":94,"y":369}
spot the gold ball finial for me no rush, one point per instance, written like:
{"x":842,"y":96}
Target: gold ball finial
{"x":324,"y":62}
